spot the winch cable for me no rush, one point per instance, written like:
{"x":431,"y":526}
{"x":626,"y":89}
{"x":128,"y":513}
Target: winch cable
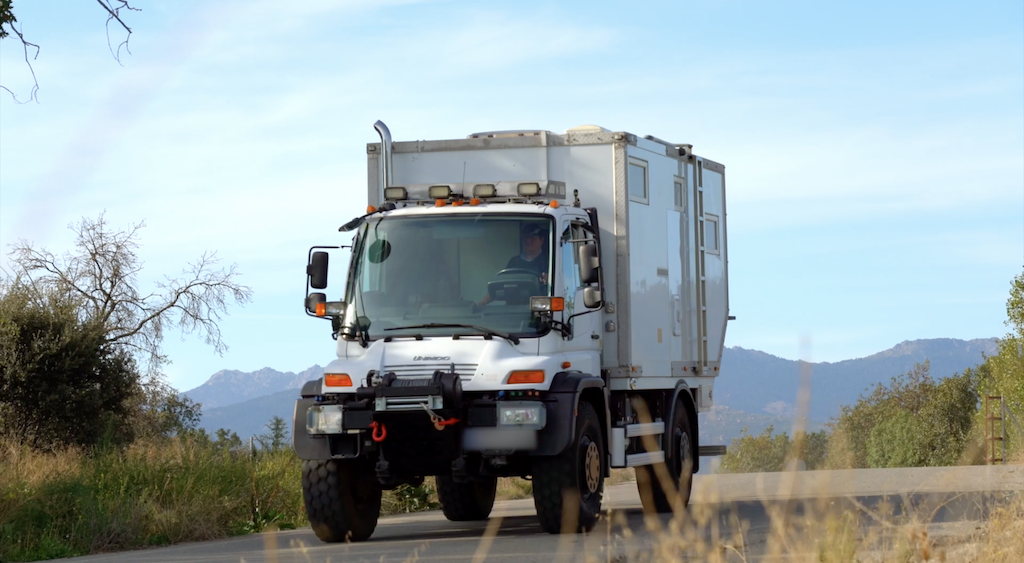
{"x":439,"y":422}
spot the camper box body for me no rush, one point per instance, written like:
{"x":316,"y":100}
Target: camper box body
{"x":662,"y":220}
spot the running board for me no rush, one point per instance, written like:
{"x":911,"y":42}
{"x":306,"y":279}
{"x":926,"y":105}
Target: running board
{"x":646,"y":458}
{"x":645,"y":429}
{"x":711,"y":451}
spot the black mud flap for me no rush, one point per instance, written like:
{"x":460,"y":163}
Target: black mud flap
{"x":562,"y":398}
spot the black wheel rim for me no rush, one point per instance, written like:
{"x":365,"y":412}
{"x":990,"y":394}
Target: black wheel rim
{"x":683,"y":451}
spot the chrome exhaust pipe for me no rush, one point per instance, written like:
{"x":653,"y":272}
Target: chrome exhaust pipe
{"x":385,"y":152}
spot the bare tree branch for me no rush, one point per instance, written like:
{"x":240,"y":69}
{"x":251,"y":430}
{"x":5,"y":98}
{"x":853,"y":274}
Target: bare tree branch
{"x":115,"y":14}
{"x":35,"y":82}
{"x":101,"y":274}
{"x":7,"y":22}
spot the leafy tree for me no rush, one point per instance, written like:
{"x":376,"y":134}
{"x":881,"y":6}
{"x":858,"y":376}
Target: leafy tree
{"x":226,"y":440}
{"x":911,"y":422}
{"x":1003,"y":374}
{"x":61,"y":381}
{"x":89,"y":299}
{"x":766,"y":453}
{"x":277,"y":438}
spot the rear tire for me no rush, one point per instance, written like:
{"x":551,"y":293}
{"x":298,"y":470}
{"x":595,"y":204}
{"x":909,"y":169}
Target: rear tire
{"x":567,"y":488}
{"x":678,"y":464}
{"x":465,"y":502}
{"x":342,"y":498}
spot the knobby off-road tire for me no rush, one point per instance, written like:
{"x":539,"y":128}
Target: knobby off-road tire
{"x":567,"y":488}
{"x":464,"y":502}
{"x":678,"y":466}
{"x":342,"y":498}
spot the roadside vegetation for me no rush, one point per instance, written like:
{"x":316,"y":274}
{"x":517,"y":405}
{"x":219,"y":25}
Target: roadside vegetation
{"x":914,"y":420}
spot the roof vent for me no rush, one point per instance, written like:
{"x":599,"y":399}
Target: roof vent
{"x":587,"y":129}
{"x":513,"y":133}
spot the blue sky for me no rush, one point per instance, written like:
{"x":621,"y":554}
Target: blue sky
{"x":874,"y":153}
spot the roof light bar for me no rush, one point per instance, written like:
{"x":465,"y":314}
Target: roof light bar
{"x":528,"y":189}
{"x":439,"y":192}
{"x":485,"y":190}
{"x":395,"y":194}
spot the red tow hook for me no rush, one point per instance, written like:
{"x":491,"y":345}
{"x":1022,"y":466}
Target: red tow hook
{"x":379,"y":431}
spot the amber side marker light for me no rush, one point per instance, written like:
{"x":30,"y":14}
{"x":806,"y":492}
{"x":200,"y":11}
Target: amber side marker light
{"x":337,"y":380}
{"x":536,"y":376}
{"x":370,"y":209}
{"x":321,"y":309}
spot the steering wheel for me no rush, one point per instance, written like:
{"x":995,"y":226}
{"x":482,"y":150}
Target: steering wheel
{"x":517,"y":271}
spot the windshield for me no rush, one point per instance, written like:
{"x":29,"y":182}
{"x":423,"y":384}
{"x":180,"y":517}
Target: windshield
{"x":478,"y":270}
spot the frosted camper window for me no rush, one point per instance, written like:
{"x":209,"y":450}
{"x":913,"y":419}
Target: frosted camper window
{"x":637,"y":180}
{"x":710,"y":234}
{"x":677,"y":188}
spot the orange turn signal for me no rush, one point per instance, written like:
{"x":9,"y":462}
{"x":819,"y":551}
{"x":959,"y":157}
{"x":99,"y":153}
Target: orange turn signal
{"x":371,"y":209}
{"x":337,"y":380}
{"x":474,"y":201}
{"x":440,"y":203}
{"x":566,"y":365}
{"x":553,"y":204}
{"x":558,"y":303}
{"x":457,"y":203}
{"x":321,"y":309}
{"x":536,"y":376}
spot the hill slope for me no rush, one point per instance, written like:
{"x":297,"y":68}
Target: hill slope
{"x":228,"y":386}
{"x":754,"y":381}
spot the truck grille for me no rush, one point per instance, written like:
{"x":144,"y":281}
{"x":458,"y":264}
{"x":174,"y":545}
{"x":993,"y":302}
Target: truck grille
{"x":405,"y":371}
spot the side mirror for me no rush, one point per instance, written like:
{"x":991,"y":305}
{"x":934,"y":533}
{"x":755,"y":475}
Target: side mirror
{"x":590,"y":263}
{"x":313,"y":299}
{"x":317,"y":270}
{"x":591,"y":297}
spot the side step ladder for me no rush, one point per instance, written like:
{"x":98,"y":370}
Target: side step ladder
{"x":620,"y":435}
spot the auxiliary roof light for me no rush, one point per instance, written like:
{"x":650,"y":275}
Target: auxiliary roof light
{"x":395,"y":194}
{"x":484,"y":191}
{"x":439,"y":192}
{"x":528,"y":189}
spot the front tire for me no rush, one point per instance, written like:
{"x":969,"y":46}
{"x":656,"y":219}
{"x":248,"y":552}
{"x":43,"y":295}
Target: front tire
{"x":342,"y":498}
{"x":678,"y":465}
{"x":567,"y":488}
{"x":465,"y":502}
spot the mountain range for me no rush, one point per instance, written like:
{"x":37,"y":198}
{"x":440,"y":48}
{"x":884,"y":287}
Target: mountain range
{"x":755,"y":389}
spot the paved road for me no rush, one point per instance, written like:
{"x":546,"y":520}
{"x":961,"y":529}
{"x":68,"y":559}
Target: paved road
{"x":754,"y":517}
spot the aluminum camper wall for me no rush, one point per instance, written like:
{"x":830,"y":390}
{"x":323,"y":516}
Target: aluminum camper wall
{"x":663,"y":233}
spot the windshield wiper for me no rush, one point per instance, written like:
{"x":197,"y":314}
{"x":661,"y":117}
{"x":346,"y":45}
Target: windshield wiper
{"x":509,"y":337}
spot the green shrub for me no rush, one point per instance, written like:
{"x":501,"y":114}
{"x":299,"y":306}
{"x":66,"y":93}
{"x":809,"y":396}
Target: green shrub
{"x":766,"y":453}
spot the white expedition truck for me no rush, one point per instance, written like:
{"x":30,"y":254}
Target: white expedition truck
{"x":518,"y":303}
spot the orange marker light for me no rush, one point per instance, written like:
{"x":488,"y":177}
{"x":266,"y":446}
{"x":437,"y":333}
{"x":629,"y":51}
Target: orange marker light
{"x":557,"y":303}
{"x":439,"y":203}
{"x":371,"y":209}
{"x":337,"y":380}
{"x":457,"y":203}
{"x":566,"y":365}
{"x":553,"y":204}
{"x":321,"y":309}
{"x":536,"y":376}
{"x":474,"y":201}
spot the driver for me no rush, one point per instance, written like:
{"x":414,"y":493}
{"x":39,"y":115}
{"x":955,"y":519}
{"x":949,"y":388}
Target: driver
{"x":534,"y":256}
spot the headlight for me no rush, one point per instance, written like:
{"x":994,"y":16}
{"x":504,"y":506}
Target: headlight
{"x":522,"y":414}
{"x":324,"y":419}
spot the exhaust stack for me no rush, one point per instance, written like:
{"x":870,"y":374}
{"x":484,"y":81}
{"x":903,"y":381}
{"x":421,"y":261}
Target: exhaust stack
{"x":385,"y":151}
